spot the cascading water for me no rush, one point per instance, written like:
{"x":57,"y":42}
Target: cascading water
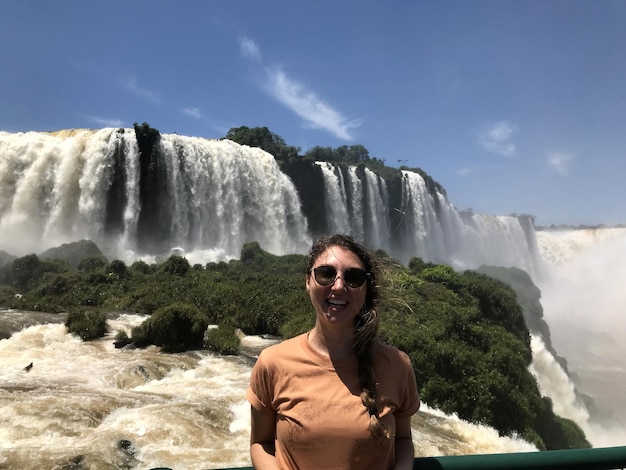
{"x":210,"y":197}
{"x":583,"y":301}
{"x":214,"y":196}
{"x":426,"y":225}
{"x":336,"y":200}
{"x":356,"y":196}
{"x":420,"y":220}
{"x":377,"y":210}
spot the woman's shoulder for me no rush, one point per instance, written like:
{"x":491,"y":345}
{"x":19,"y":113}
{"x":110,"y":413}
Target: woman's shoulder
{"x":390,"y":353}
{"x":283,"y":347}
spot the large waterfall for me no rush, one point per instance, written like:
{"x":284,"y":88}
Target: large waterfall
{"x":210,"y":197}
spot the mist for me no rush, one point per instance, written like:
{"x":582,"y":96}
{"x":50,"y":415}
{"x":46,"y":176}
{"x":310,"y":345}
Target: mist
{"x":584,"y":303}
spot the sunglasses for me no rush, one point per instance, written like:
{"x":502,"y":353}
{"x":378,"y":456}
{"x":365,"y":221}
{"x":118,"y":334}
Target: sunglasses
{"x":352,"y":277}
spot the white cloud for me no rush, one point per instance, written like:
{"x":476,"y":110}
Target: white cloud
{"x":132,"y":85}
{"x":498,"y":139}
{"x":308,"y":105}
{"x":106,"y":122}
{"x":311,"y":108}
{"x":249,"y":49}
{"x":464,"y":171}
{"x":560,"y":161}
{"x":192,"y":112}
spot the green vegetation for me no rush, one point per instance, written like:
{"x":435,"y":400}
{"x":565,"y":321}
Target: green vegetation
{"x":464,"y":332}
{"x":87,"y":325}
{"x":175,"y":328}
{"x":222,"y":340}
{"x":263,"y":138}
{"x":343,"y":156}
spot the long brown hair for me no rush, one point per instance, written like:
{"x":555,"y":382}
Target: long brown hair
{"x":366,"y":323}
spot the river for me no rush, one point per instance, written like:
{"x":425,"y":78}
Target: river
{"x":89,"y":405}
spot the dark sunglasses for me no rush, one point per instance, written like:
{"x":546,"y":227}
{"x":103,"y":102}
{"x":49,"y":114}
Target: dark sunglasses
{"x":352,"y":277}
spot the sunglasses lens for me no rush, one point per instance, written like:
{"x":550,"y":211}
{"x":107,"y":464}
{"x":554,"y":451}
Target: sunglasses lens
{"x":352,"y":277}
{"x":325,"y":275}
{"x":355,"y":277}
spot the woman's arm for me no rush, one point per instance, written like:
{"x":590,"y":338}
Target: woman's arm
{"x":404,"y":444}
{"x":262,"y":436}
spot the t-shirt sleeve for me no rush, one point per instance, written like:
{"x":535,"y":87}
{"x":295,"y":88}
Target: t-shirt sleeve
{"x":410,"y":401}
{"x":260,"y":392}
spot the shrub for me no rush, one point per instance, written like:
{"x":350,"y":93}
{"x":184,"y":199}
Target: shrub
{"x":92,"y":263}
{"x":175,"y":328}
{"x":176,"y":265}
{"x":117,"y":267}
{"x":140,"y":267}
{"x":222,"y":340}
{"x":86,"y":325}
{"x":557,"y":432}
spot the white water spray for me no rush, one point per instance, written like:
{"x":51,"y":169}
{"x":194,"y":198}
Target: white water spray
{"x":583,"y":300}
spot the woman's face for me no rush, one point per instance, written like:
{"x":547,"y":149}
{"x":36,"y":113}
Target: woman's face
{"x":336,"y":304}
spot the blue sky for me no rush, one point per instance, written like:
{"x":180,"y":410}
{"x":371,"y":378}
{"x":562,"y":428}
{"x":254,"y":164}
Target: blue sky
{"x":513,"y":106}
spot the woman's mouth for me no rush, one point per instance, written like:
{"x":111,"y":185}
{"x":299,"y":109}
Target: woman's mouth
{"x":337,"y":303}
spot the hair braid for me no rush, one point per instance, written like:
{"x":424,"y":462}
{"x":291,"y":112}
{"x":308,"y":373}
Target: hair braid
{"x":365,"y":334}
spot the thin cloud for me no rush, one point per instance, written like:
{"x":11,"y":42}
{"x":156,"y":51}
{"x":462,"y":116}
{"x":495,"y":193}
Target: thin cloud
{"x":498,"y":139}
{"x":249,"y":49}
{"x":192,"y":112}
{"x":132,"y":85}
{"x":464,"y":171}
{"x":106,"y":122}
{"x":308,"y":105}
{"x":560,"y":162}
{"x":315,"y":112}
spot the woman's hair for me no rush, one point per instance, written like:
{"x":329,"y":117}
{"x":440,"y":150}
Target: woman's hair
{"x":365,"y":331}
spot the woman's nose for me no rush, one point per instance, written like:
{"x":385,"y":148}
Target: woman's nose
{"x":338,"y":283}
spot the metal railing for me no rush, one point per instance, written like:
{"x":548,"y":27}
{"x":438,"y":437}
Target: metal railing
{"x":603,"y":458}
{"x":608,"y":458}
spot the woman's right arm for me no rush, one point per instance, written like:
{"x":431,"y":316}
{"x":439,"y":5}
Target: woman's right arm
{"x":262,"y":438}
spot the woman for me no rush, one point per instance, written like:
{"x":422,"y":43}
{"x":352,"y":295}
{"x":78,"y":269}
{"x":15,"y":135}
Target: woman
{"x":335,"y":397}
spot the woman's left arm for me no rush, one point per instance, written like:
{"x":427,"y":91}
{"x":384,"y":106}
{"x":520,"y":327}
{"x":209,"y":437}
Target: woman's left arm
{"x":404,"y":444}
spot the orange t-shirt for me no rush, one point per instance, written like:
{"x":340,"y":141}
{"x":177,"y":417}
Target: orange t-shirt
{"x":320,"y":419}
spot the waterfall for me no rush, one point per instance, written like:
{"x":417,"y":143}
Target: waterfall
{"x":583,"y":301}
{"x":356,"y":199}
{"x":554,"y":383}
{"x":377,"y":211}
{"x":426,"y":237}
{"x":54,"y":187}
{"x":211,"y":196}
{"x":336,"y":200}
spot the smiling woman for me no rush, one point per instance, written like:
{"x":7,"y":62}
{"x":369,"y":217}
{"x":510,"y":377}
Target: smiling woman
{"x":336,"y":396}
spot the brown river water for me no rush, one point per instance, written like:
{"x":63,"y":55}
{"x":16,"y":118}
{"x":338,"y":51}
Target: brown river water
{"x":87,"y":405}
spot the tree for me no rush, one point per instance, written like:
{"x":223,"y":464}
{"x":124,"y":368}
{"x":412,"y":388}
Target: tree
{"x":263,"y":138}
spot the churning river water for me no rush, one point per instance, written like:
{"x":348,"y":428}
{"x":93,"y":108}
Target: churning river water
{"x":89,"y":404}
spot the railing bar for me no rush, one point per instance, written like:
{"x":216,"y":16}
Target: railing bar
{"x":603,"y":458}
